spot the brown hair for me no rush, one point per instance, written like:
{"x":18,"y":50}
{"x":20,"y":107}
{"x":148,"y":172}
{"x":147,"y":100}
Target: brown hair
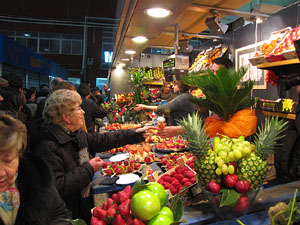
{"x":13,"y":134}
{"x":182,"y":86}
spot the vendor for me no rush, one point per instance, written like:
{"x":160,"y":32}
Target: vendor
{"x":167,"y":94}
{"x":180,"y":107}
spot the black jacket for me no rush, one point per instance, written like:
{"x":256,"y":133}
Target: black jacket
{"x":92,"y":111}
{"x":40,"y":201}
{"x":61,"y":149}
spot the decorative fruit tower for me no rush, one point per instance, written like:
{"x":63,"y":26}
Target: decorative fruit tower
{"x":230,"y":169}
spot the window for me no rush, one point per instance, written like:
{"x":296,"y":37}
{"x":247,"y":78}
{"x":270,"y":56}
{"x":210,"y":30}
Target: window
{"x":44,"y":46}
{"x":32,"y":44}
{"x":74,"y":81}
{"x":42,"y":42}
{"x":66,"y":47}
{"x":54,"y":46}
{"x":76,"y":47}
{"x":100,"y":82}
{"x":107,"y":56}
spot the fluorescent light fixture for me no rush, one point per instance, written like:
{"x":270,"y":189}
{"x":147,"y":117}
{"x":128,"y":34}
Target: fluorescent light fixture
{"x":158,"y":12}
{"x":130,"y":52}
{"x":27,"y":35}
{"x":125,"y":59}
{"x":139,"y":39}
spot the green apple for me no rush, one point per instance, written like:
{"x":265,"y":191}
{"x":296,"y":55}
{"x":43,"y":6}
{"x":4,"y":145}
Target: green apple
{"x":160,"y":220}
{"x":167,"y":212}
{"x":145,"y":205}
{"x":158,"y":190}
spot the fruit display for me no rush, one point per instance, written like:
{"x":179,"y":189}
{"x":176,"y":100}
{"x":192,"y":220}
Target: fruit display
{"x":205,"y":58}
{"x":118,"y":126}
{"x":272,"y":78}
{"x":288,"y":42}
{"x":124,"y":99}
{"x":158,"y":73}
{"x":154,"y":92}
{"x":178,"y":179}
{"x":145,"y":204}
{"x":198,"y":93}
{"x":174,"y":144}
{"x":117,"y":168}
{"x":169,"y":161}
{"x":232,"y":168}
{"x":153,"y":138}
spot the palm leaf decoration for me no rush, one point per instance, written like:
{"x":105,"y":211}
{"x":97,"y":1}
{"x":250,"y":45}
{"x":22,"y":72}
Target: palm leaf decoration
{"x":223,"y":94}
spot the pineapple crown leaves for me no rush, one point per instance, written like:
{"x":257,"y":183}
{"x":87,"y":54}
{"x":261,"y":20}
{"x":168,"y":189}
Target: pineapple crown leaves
{"x":267,"y":136}
{"x":195,"y":134}
{"x":223,"y":94}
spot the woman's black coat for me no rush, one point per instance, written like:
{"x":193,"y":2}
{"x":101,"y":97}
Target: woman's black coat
{"x":40,"y":203}
{"x":61,"y":149}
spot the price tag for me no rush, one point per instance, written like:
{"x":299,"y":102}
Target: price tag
{"x":181,"y":161}
{"x":153,"y":177}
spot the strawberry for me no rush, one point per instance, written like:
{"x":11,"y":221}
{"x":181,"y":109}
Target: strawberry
{"x":115,"y":197}
{"x":137,"y":222}
{"x":123,"y":196}
{"x":104,"y":206}
{"x":111,"y":212}
{"x":109,"y":202}
{"x":96,"y":221}
{"x":124,"y":208}
{"x":99,"y":213}
{"x":189,"y":174}
{"x":109,"y":172}
{"x":118,"y":220}
{"x":128,"y":190}
{"x":129,"y":220}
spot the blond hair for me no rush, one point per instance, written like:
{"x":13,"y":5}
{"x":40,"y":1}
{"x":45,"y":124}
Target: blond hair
{"x":13,"y":134}
{"x":59,"y":102}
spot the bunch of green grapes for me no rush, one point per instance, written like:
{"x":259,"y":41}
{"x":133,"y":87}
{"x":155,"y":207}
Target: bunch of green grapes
{"x":228,"y":151}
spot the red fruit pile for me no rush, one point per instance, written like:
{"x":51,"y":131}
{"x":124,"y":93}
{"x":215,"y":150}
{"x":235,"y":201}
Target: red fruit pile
{"x":178,"y":179}
{"x":174,"y":144}
{"x":116,"y":210}
{"x":170,"y":161}
{"x":272,"y":78}
{"x":110,"y":168}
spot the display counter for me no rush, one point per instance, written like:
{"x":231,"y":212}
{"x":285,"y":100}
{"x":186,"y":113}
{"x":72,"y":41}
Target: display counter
{"x":201,"y":213}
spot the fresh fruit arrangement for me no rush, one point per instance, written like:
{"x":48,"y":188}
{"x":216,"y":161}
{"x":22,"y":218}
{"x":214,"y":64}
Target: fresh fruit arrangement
{"x":145,"y":204}
{"x":205,"y":58}
{"x":288,"y":42}
{"x":174,"y":144}
{"x":117,"y":168}
{"x":124,"y":99}
{"x":272,"y":78}
{"x":169,"y":161}
{"x":233,"y":167}
{"x":118,"y":126}
{"x":178,"y":179}
{"x":153,"y":138}
{"x":197,"y":93}
{"x":154,"y":92}
{"x":158,"y":73}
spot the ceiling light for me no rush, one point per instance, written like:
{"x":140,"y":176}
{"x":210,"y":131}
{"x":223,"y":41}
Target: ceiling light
{"x":125,"y":59}
{"x":130,"y":52}
{"x":158,"y":12}
{"x":259,"y":20}
{"x":121,"y":64}
{"x":139,"y":39}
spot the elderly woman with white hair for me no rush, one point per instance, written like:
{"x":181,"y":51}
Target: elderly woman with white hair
{"x":62,"y":142}
{"x":27,"y":191}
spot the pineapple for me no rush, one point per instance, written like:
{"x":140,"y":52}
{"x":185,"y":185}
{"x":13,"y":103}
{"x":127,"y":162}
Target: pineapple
{"x":199,"y":145}
{"x":254,"y":166}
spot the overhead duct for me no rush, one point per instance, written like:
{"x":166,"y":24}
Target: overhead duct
{"x":215,"y":26}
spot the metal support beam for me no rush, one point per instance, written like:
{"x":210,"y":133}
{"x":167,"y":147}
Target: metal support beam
{"x":203,"y":36}
{"x":176,"y":39}
{"x":233,"y":12}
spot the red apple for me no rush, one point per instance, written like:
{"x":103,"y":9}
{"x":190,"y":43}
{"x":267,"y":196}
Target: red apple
{"x":242,"y":186}
{"x":213,"y":187}
{"x":242,"y":204}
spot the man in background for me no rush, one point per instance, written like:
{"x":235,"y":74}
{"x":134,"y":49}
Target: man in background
{"x":91,"y":109}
